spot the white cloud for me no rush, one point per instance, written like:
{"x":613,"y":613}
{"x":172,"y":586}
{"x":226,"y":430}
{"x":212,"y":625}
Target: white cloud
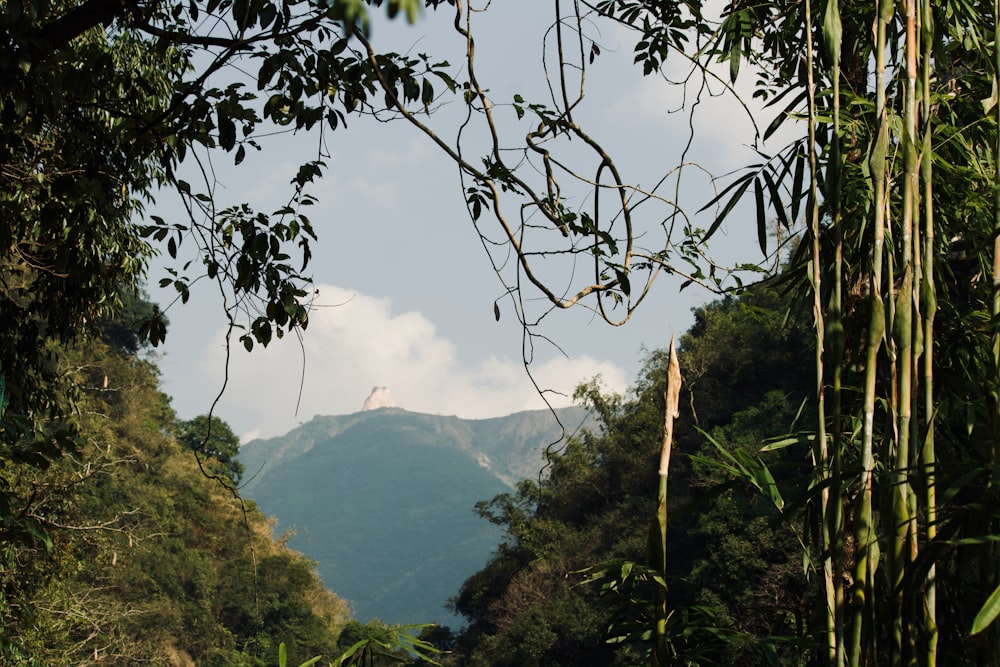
{"x":723,"y":128}
{"x":268,"y":185}
{"x":375,"y":193}
{"x":355,"y":342}
{"x":414,"y":151}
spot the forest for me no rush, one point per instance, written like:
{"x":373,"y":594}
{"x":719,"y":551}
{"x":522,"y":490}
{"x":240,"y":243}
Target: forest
{"x":834,"y":417}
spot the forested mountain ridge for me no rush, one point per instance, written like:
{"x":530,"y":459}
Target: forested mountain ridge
{"x":366,"y":483}
{"x":571,"y":583}
{"x":736,"y":588}
{"x":511,"y":448}
{"x":139,"y":556}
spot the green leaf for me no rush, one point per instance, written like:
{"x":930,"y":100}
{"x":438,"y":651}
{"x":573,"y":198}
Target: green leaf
{"x":357,"y":646}
{"x":991,"y":101}
{"x":988,"y":614}
{"x":227,"y":131}
{"x":776,"y":203}
{"x":781,"y":443}
{"x":427,"y":93}
{"x":791,"y":110}
{"x":758,"y":193}
{"x":39,"y":533}
{"x":797,"y":182}
{"x":740,"y":186}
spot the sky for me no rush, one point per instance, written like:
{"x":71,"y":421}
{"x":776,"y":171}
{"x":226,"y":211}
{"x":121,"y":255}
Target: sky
{"x":406,"y":291}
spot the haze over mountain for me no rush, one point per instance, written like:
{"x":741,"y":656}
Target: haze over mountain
{"x":384,"y":499}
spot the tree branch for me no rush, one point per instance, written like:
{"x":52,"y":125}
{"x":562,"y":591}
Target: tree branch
{"x":79,"y":20}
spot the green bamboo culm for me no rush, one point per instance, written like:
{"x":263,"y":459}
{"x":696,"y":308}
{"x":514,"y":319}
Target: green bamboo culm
{"x":862,"y":647}
{"x":903,"y":541}
{"x":820,"y":448}
{"x":834,"y":336}
{"x":928,"y":299}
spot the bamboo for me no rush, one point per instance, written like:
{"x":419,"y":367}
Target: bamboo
{"x":820,"y":448}
{"x":835,"y":336}
{"x":929,"y":302}
{"x":865,"y":539}
{"x":900,"y":477}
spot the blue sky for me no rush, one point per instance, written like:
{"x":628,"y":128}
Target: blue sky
{"x":406,"y":290}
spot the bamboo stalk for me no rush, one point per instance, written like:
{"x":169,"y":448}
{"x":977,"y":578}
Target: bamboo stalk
{"x":835,"y":335}
{"x":820,"y":447}
{"x":900,"y":477}
{"x":929,"y":302}
{"x":865,"y":539}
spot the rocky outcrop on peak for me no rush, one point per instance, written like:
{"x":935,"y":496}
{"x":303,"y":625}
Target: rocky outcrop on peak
{"x":380,"y":397}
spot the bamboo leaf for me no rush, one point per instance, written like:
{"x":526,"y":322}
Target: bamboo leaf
{"x":797,"y":181}
{"x":990,"y":101}
{"x":738,"y":470}
{"x":988,"y":614}
{"x":742,"y":180}
{"x":791,"y":110}
{"x":351,"y":651}
{"x":716,"y":463}
{"x":769,"y":486}
{"x":740,"y":187}
{"x":781,"y":443}
{"x":776,"y":202}
{"x":758,"y":194}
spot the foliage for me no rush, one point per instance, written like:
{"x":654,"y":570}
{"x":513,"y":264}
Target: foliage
{"x":212,"y":438}
{"x":283,"y":658}
{"x":889,"y":187}
{"x":106,"y":104}
{"x":149,"y":560}
{"x":570,"y":575}
{"x":376,"y":644}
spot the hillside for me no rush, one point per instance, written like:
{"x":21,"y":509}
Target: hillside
{"x":137,"y":557}
{"x":383,"y":500}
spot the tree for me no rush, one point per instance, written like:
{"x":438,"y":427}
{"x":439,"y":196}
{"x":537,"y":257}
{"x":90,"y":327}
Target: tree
{"x":103,"y":103}
{"x":148,"y":560}
{"x":572,"y":570}
{"x":214,"y":439}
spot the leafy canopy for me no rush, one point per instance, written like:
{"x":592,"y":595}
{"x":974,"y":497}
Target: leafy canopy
{"x":107,"y":103}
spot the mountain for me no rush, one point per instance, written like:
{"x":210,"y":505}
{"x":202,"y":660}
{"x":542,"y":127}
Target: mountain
{"x":383,"y":499}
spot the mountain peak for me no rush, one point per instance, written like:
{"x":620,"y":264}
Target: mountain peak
{"x":380,"y":397}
